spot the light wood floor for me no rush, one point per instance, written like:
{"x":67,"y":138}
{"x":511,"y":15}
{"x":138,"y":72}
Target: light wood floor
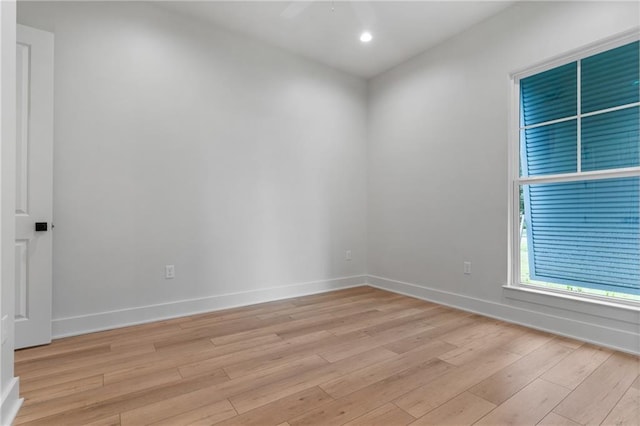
{"x":359,"y":357}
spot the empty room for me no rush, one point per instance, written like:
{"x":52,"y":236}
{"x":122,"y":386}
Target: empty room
{"x":288,"y":213}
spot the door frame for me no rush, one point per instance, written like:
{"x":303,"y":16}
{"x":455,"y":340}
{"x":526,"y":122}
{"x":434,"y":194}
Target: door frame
{"x":9,"y":385}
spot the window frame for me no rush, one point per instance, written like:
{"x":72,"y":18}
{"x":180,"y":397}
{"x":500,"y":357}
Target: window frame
{"x":515,"y":180}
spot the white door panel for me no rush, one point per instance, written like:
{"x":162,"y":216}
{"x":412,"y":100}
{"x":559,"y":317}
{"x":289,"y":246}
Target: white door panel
{"x":34,"y":189}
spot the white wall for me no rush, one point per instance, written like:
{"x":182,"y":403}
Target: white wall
{"x":437,"y":166}
{"x":179,"y":143}
{"x":9,"y":385}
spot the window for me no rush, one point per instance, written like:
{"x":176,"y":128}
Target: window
{"x":576,"y":174}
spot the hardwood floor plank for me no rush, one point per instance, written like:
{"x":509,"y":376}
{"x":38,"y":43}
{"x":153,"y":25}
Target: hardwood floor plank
{"x":464,"y":409}
{"x":63,"y":389}
{"x":486,"y":329}
{"x":195,"y":345}
{"x":413,"y":341}
{"x":366,"y":359}
{"x":251,"y":355}
{"x":60,"y":359}
{"x":89,"y":366}
{"x":281,"y":410}
{"x":379,"y":318}
{"x":572,"y":343}
{"x":526,"y":340}
{"x":78,"y":400}
{"x":494,"y":339}
{"x":187,"y":401}
{"x":206,"y":415}
{"x":373,"y":396}
{"x":133,"y":400}
{"x":250,"y":324}
{"x":305,"y":344}
{"x":528,"y":406}
{"x":274,"y":391}
{"x":246,"y":344}
{"x":133,"y":335}
{"x":503,"y":384}
{"x":125,"y":344}
{"x":386,"y":415}
{"x":553,"y":419}
{"x":107,"y":421}
{"x":577,"y":366}
{"x":353,"y":381}
{"x":423,"y":318}
{"x":160,"y":361}
{"x":443,"y":314}
{"x":626,"y":411}
{"x":407,"y":302}
{"x":281,"y":328}
{"x":348,"y":348}
{"x":276,"y":361}
{"x":329,"y":324}
{"x":426,"y":398}
{"x":592,"y":400}
{"x":292,"y":327}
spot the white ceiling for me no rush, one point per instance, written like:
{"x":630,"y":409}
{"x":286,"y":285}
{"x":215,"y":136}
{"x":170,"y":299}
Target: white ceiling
{"x":328,"y":31}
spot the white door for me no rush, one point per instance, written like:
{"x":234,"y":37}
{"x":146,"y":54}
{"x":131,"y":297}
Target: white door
{"x":34,"y":189}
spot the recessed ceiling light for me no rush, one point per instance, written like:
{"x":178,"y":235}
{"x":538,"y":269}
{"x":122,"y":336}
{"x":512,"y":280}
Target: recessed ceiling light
{"x":366,"y":37}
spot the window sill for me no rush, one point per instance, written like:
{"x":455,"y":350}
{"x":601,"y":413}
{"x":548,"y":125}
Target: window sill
{"x":601,"y":308}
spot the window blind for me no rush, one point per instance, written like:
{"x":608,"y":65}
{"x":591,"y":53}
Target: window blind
{"x":584,"y":233}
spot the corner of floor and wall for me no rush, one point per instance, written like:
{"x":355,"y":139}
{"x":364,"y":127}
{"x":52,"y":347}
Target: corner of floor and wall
{"x":406,"y":171}
{"x":437,"y":168}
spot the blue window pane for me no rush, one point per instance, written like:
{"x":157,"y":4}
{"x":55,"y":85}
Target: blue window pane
{"x":611,"y":140}
{"x":549,"y":95}
{"x":610,"y":79}
{"x":585,"y":233}
{"x":550,"y":149}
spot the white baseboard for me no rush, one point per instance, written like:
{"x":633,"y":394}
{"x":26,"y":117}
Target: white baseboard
{"x":10,"y":403}
{"x":587,"y":331}
{"x":591,"y":332}
{"x":83,"y":324}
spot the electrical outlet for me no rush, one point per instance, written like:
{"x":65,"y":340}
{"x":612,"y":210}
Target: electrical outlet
{"x":467,"y":268}
{"x":347,"y":255}
{"x":169,"y":272}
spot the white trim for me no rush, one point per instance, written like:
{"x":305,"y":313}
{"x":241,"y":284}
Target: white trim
{"x":72,"y":326}
{"x":513,"y":170}
{"x":606,"y":110}
{"x":584,"y":300}
{"x":10,"y":402}
{"x":572,"y":177}
{"x":549,"y":123}
{"x":579,"y":117}
{"x":580,"y":53}
{"x":9,"y":385}
{"x":559,"y":323}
